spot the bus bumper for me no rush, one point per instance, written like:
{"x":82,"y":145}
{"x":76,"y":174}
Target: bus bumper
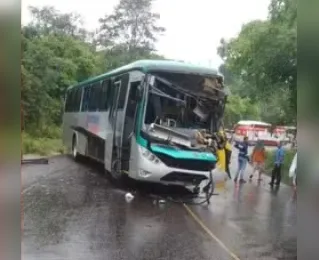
{"x":161,"y":173}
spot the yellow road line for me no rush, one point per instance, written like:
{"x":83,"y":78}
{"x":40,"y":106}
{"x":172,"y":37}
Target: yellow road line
{"x":210,"y":233}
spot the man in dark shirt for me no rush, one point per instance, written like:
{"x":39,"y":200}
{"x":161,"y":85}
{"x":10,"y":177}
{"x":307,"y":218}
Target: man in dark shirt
{"x":242,"y":159}
{"x":279,"y":160}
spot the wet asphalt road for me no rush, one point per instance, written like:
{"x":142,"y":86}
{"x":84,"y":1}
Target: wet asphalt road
{"x":72,"y":211}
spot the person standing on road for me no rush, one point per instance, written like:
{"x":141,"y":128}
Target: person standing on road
{"x":242,"y":159}
{"x":258,"y":158}
{"x":228,"y":152}
{"x":293,"y":172}
{"x":279,"y":160}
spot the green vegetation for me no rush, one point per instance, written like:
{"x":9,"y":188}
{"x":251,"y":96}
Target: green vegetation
{"x":58,"y":52}
{"x":41,"y":145}
{"x":239,"y":108}
{"x":259,"y":64}
{"x":287,"y":162}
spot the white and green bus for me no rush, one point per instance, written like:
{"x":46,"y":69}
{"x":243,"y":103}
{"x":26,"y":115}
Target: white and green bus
{"x":139,"y":120}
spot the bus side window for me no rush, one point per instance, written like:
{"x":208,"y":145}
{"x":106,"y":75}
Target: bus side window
{"x":132,"y":100}
{"x":89,"y":103}
{"x":103,"y":106}
{"x":98,"y":93}
{"x":86,"y":98}
{"x":110,"y":93}
{"x":93,"y":99}
{"x":77,"y":100}
{"x":68,"y":101}
{"x":72,"y":100}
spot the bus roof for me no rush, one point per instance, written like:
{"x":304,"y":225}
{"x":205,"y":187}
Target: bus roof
{"x":287,"y":127}
{"x":148,"y":66}
{"x":251,"y":122}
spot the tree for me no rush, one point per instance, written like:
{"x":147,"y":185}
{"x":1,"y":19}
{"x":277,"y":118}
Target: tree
{"x":132,"y":24}
{"x":283,"y":12}
{"x":128,"y":34}
{"x":119,"y":56}
{"x":58,"y":52}
{"x":50,"y":65}
{"x":48,"y":20}
{"x":228,"y":76}
{"x":239,"y":108}
{"x":55,"y":56}
{"x":263,"y":56}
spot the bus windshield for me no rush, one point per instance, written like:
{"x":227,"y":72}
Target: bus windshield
{"x":182,"y":110}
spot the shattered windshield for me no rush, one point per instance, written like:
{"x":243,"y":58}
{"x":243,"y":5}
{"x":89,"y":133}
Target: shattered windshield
{"x":169,"y":106}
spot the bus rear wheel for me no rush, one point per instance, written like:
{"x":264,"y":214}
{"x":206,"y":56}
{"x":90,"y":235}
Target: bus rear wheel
{"x":75,"y":154}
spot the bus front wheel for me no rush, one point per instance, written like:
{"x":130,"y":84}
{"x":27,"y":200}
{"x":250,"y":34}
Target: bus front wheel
{"x":119,"y":177}
{"x":115,"y":170}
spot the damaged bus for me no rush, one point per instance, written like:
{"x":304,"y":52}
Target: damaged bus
{"x":141,"y":121}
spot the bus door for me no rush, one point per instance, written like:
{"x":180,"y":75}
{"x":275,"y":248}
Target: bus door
{"x":129,"y":123}
{"x":113,"y":142}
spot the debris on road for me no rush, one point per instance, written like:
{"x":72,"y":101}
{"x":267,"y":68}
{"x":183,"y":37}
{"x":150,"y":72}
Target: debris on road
{"x":159,"y":201}
{"x":129,"y":197}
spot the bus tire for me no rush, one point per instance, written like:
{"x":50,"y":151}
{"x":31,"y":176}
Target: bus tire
{"x":119,"y":178}
{"x":115,"y":173}
{"x":74,"y":152}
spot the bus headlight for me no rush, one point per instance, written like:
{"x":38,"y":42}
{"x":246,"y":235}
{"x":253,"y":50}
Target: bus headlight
{"x":150,"y":156}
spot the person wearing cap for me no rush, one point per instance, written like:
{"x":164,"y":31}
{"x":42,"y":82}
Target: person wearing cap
{"x":242,"y":159}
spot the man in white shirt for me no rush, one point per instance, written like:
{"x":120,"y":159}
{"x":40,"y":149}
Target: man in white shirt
{"x":293,"y":171}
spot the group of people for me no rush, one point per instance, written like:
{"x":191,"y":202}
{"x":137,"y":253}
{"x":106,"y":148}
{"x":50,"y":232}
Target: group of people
{"x":257,"y":159}
{"x":221,"y":145}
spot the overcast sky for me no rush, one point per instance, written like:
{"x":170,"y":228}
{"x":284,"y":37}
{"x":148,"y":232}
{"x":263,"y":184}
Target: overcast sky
{"x":193,"y":27}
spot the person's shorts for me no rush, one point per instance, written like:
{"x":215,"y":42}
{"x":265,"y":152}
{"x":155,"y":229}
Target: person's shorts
{"x":259,"y":166}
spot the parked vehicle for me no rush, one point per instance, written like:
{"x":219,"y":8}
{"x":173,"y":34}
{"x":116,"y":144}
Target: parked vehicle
{"x":257,"y":130}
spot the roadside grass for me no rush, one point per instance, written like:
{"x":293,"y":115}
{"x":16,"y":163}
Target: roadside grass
{"x":289,"y":155}
{"x":41,"y":145}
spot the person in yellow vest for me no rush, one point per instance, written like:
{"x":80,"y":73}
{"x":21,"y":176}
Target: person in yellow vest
{"x":224,"y":153}
{"x":223,"y":150}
